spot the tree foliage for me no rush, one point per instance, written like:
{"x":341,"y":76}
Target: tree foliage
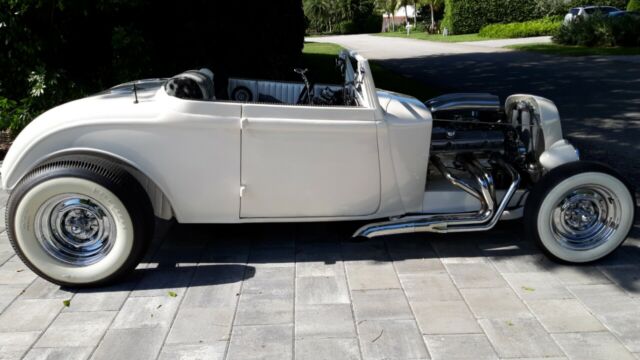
{"x":634,"y":5}
{"x":69,"y":48}
{"x":433,"y":6}
{"x":342,"y":16}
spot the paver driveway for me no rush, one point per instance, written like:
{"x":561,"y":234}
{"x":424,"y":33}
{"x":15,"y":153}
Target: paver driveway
{"x":307,"y":290}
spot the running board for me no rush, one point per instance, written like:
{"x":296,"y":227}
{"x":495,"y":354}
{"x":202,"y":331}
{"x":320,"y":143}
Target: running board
{"x":485,"y":219}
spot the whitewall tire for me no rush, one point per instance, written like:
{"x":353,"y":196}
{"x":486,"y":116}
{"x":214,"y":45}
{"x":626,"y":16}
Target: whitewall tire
{"x":79,"y":224}
{"x":580,"y":212}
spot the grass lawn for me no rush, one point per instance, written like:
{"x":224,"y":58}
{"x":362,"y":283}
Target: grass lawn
{"x":319,"y":58}
{"x":567,"y":50}
{"x":436,"y":37}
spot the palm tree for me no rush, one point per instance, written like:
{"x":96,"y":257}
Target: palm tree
{"x":389,"y":7}
{"x":433,"y":5}
{"x":405,"y":3}
{"x":319,"y":13}
{"x":340,"y":10}
{"x":416,"y":3}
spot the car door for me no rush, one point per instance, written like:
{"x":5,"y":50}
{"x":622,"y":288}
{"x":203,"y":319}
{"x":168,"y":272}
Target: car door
{"x":308,"y":161}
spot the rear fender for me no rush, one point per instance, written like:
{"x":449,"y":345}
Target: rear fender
{"x":161,"y":204}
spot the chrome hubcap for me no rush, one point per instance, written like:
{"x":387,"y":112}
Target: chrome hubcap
{"x":75,"y":229}
{"x":586,"y":217}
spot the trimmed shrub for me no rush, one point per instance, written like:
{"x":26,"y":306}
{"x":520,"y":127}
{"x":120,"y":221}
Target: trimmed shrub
{"x":634,"y":5}
{"x":466,"y":16}
{"x":601,"y":31}
{"x":363,"y":25}
{"x":542,"y":27}
{"x":346,"y":27}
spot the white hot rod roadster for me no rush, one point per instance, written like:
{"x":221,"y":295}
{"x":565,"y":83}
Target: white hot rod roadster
{"x":86,"y":178}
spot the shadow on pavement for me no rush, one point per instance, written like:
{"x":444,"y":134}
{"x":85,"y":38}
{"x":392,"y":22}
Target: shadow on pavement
{"x":598,"y":98}
{"x":204,"y":255}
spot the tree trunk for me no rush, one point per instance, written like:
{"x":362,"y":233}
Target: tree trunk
{"x":433,"y":20}
{"x":415,"y":14}
{"x":406,"y":13}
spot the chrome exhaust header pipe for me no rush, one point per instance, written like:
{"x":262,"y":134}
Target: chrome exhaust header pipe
{"x":485,"y":219}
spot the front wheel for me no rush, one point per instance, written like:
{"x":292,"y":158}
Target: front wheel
{"x":580,"y":212}
{"x":78,"y":223}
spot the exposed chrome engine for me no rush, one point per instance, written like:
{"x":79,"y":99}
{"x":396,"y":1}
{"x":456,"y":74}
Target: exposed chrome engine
{"x":478,"y":123}
{"x":474,"y":136}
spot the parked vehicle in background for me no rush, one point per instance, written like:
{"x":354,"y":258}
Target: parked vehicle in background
{"x":584,"y":12}
{"x":622,"y":13}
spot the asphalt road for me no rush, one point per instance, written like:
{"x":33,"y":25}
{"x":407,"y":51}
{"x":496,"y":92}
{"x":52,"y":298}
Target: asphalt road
{"x":598,"y":97}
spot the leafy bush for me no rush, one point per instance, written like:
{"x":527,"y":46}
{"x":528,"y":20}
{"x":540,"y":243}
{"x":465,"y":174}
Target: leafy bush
{"x":16,"y":114}
{"x":346,"y":27}
{"x":86,"y":46}
{"x":634,"y":5}
{"x":542,"y":27}
{"x":360,"y":25}
{"x":601,"y":31}
{"x":552,"y":7}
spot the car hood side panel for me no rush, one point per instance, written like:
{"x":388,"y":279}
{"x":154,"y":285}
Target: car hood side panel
{"x":408,"y":123}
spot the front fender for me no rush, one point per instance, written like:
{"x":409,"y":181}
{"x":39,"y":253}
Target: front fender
{"x":556,"y":150}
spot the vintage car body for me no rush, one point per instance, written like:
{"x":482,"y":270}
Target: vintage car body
{"x":237,"y":162}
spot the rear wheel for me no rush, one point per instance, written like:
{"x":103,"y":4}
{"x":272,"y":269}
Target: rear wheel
{"x":79,"y":224}
{"x":580,"y":212}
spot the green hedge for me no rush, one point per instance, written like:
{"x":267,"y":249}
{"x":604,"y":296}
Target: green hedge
{"x":541,"y":27}
{"x":465,"y":16}
{"x":601,"y":31}
{"x":634,"y":5}
{"x":469,"y":16}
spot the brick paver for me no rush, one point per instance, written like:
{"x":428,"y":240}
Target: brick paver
{"x":306,"y":291}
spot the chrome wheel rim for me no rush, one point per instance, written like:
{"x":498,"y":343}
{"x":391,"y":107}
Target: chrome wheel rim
{"x":75,"y":229}
{"x":586,"y":217}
